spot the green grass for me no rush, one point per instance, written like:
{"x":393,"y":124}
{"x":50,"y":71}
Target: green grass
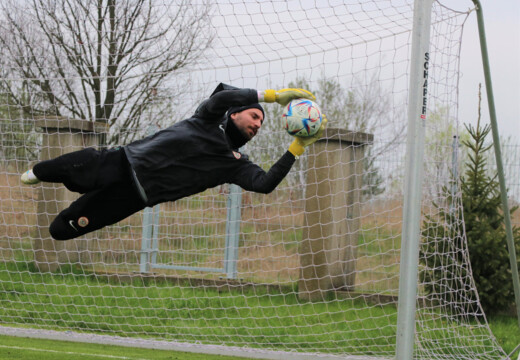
{"x":41,"y":349}
{"x":252,"y":318}
{"x":507,"y":332}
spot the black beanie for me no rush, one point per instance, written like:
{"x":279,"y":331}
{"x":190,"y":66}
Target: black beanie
{"x":245,"y":107}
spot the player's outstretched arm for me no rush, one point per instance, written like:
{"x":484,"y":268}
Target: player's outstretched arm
{"x":284,"y":96}
{"x":253,"y":178}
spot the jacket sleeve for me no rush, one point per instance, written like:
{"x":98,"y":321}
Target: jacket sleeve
{"x":251,"y":177}
{"x":217,"y":105}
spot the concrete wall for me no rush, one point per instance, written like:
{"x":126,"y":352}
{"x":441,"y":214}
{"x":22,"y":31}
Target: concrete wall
{"x":332,"y":211}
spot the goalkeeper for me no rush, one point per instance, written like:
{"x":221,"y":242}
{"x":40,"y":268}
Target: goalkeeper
{"x":184,"y":159}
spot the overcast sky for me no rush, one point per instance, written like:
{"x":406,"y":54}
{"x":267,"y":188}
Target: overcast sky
{"x":502,"y":24}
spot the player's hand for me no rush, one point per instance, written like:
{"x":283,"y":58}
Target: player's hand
{"x":299,"y":144}
{"x":285,"y":96}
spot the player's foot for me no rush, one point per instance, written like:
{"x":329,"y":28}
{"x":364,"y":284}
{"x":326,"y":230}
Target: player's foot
{"x":28,"y":178}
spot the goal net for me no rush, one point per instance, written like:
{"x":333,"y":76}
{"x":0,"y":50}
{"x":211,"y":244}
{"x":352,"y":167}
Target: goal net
{"x":310,"y":269}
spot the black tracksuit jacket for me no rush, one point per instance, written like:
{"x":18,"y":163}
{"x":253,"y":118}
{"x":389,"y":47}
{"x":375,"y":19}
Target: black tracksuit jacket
{"x":199,"y":153}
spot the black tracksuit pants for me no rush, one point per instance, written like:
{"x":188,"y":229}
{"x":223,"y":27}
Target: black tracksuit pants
{"x":104,"y":179}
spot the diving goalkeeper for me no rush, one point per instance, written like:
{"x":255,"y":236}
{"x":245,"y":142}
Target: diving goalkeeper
{"x":184,"y":159}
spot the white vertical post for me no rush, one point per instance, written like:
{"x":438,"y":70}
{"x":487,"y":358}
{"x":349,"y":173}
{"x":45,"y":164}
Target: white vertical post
{"x":454,"y":171}
{"x":417,"y":101}
{"x":146,"y":239}
{"x":155,"y":235}
{"x":150,"y":227}
{"x":232,"y":231}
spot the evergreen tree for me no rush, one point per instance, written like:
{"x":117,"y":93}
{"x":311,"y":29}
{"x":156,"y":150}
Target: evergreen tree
{"x":483,"y":221}
{"x":485,"y":228}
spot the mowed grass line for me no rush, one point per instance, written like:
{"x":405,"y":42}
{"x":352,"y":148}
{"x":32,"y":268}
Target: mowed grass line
{"x":14,"y":348}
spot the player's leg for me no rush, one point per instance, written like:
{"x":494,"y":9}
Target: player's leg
{"x":58,"y":170}
{"x":95,"y":210}
{"x":81,"y":171}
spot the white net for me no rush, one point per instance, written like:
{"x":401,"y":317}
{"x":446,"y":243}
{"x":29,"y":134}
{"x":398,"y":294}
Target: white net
{"x":312,"y":267}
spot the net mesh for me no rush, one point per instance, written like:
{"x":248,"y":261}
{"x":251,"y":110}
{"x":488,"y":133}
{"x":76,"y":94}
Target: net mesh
{"x":192,"y":271}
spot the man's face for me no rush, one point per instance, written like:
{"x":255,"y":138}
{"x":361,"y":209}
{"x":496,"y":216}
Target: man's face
{"x":248,"y":121}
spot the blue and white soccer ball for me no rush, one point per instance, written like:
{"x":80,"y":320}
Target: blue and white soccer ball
{"x":302,"y":117}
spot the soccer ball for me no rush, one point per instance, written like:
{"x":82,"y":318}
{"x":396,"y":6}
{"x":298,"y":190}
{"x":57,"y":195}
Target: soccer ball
{"x":302,"y":118}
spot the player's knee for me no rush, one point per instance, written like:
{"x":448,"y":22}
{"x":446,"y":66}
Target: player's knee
{"x":61,"y":230}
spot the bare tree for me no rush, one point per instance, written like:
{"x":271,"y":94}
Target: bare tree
{"x":366,"y":107}
{"x":100,"y":60}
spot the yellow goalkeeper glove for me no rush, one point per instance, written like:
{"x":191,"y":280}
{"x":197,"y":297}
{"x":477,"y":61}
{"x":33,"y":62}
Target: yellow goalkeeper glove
{"x":297,"y":148}
{"x":284,"y":96}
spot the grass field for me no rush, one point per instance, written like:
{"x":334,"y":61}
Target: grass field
{"x":274,"y":320}
{"x":507,"y":332}
{"x":14,"y":348}
{"x":253,"y":318}
{"x":11,"y":348}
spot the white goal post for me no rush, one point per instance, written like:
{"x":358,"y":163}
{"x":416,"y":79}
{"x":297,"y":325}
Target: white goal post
{"x":413,"y":179}
{"x":334,"y":263}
